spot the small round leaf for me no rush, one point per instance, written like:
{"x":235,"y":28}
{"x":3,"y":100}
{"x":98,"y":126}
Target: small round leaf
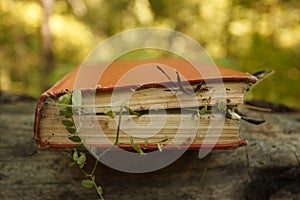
{"x":87,"y":183}
{"x":71,"y":130}
{"x":99,"y":190}
{"x":75,"y":155}
{"x":67,"y":123}
{"x":81,"y":160}
{"x":74,"y":138}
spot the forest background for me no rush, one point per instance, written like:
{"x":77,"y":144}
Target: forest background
{"x":40,"y":41}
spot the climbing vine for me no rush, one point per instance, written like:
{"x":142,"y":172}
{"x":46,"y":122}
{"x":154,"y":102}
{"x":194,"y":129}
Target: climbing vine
{"x":67,"y":103}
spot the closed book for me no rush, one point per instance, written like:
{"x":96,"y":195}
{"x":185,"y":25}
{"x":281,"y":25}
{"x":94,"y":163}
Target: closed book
{"x":128,"y":100}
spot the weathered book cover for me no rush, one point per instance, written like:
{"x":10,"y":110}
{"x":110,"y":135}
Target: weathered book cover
{"x":50,"y":133}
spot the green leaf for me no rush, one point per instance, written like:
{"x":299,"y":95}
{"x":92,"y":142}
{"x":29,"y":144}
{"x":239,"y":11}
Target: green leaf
{"x":132,"y":112}
{"x":75,"y":155}
{"x":82,"y":158}
{"x":135,"y":147}
{"x":81,"y":166}
{"x":62,"y":112}
{"x":67,"y":123}
{"x":110,"y":113}
{"x":69,"y":112}
{"x":72,"y":164}
{"x":77,"y":97}
{"x":203,"y":110}
{"x":71,"y":130}
{"x":99,"y":190}
{"x":80,"y":148}
{"x":87,"y":183}
{"x":65,"y":99}
{"x":74,"y":138}
{"x":159,"y":146}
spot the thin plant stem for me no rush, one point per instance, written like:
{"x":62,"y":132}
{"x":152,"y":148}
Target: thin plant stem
{"x":119,"y":125}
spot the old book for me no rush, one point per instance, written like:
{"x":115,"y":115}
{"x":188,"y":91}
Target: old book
{"x":154,"y":92}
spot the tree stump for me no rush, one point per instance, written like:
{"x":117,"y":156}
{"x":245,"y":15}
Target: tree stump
{"x":268,"y":168}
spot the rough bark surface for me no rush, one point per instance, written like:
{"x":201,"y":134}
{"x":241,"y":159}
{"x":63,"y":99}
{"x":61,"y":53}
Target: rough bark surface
{"x":268,"y":168}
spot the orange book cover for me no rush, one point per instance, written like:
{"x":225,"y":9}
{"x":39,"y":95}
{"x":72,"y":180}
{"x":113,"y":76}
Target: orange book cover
{"x":144,"y":79}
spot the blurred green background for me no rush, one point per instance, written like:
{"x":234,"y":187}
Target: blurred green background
{"x":40,"y":41}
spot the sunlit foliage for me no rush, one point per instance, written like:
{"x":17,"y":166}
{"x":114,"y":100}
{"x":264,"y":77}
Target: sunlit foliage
{"x":244,"y":35}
